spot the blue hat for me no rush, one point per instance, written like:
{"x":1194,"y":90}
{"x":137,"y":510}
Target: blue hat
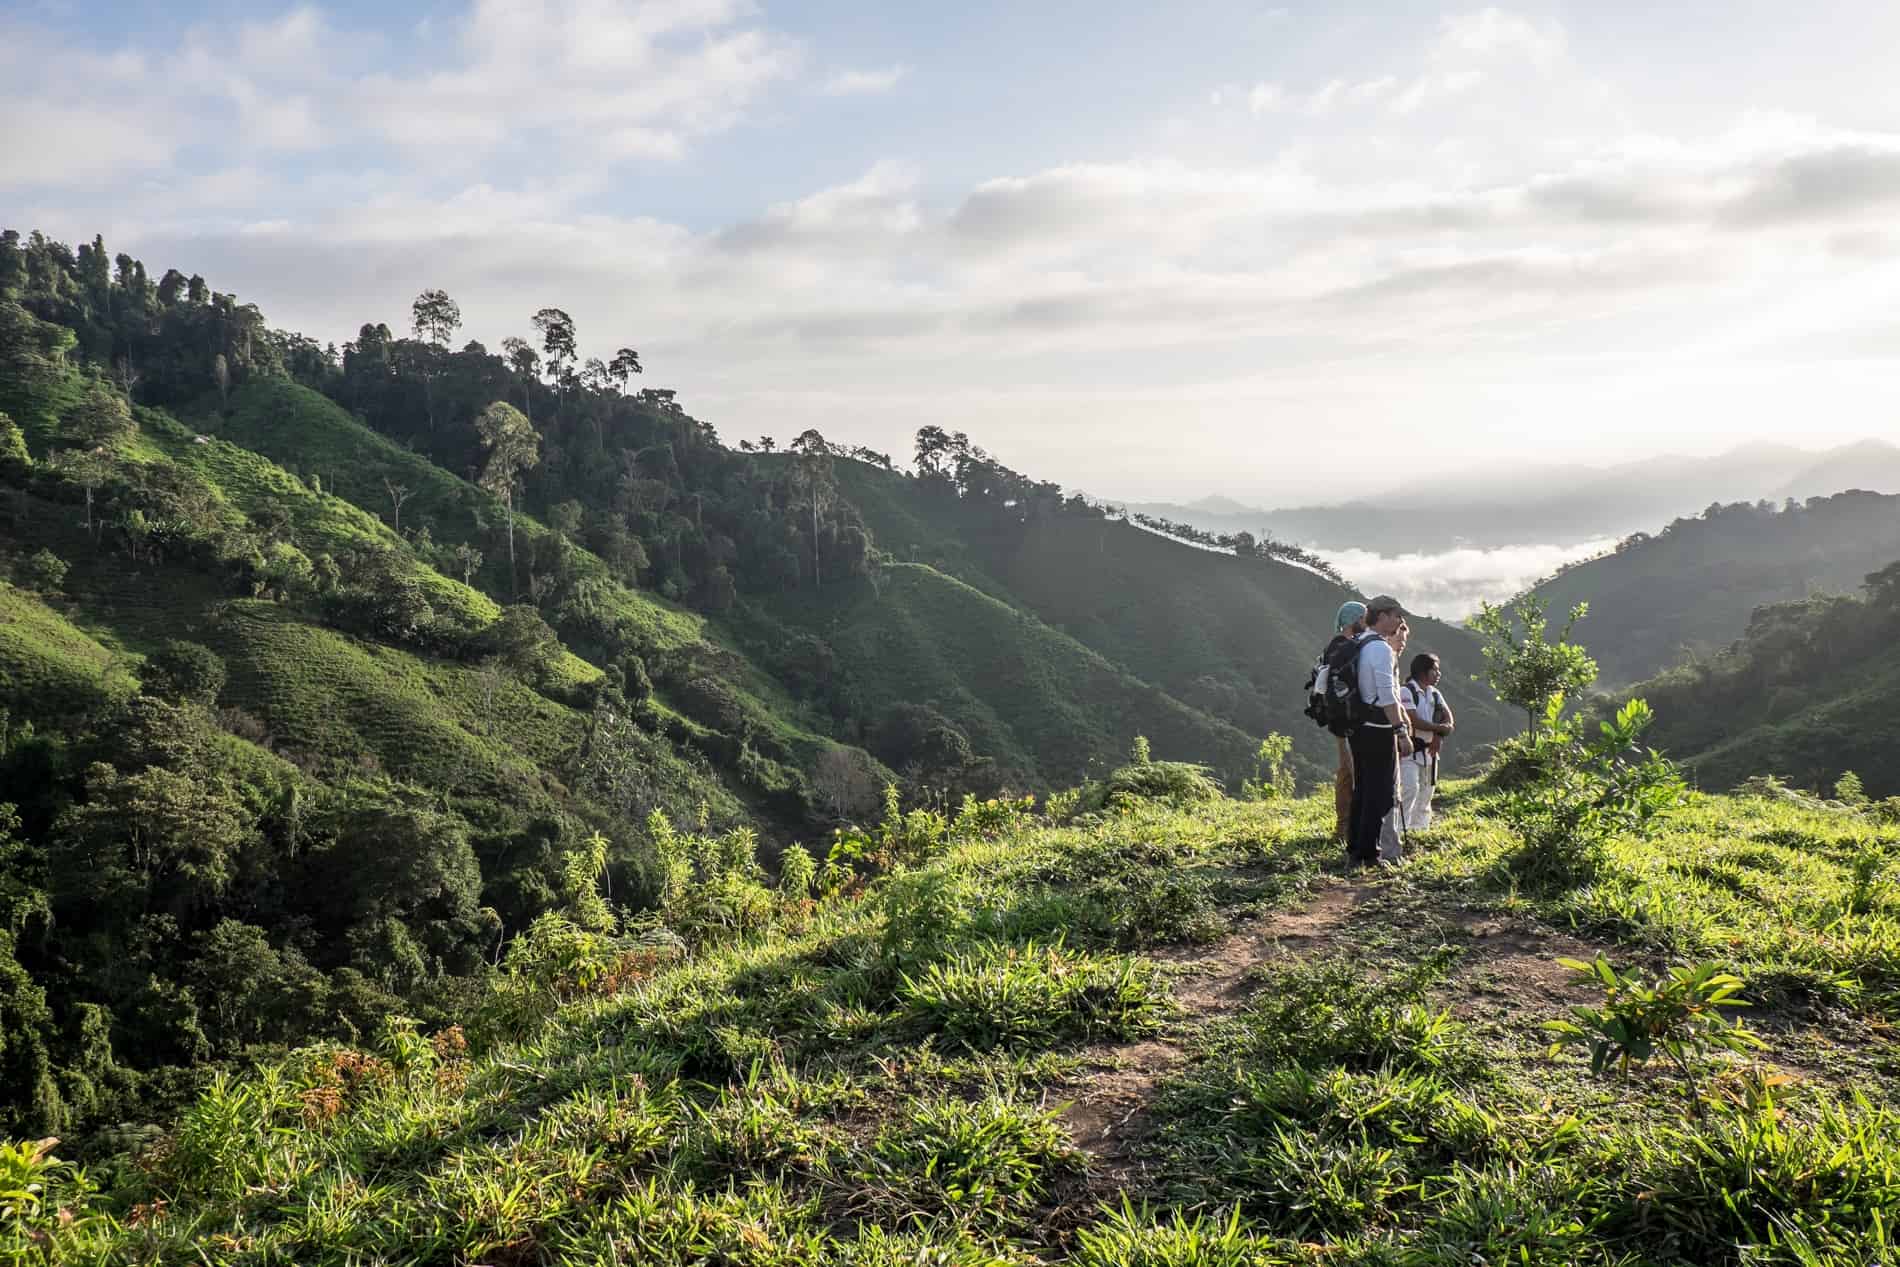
{"x":1348,"y":613}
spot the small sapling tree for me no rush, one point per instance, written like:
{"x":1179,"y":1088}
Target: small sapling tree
{"x":1680,"y":1016}
{"x":1528,"y":669}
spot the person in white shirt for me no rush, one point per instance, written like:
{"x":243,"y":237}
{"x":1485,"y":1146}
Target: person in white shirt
{"x":1378,"y":741}
{"x":1431,"y":720}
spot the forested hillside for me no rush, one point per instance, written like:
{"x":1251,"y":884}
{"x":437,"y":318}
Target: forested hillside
{"x":1688,"y":591}
{"x":1809,"y":692}
{"x":326,"y":672}
{"x":1230,"y":632}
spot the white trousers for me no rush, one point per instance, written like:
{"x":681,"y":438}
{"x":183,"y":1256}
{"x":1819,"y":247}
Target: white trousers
{"x":1415,"y":794}
{"x":1412,"y":811}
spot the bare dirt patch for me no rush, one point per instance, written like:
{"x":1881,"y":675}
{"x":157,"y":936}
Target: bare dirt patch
{"x":1105,"y":1116}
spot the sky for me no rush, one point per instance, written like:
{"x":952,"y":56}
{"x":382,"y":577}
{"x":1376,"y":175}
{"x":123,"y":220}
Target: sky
{"x":1150,"y":251}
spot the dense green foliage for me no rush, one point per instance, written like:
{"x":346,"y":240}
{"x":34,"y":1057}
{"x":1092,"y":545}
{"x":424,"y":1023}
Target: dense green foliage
{"x":876,"y":1074}
{"x":1811,"y":690}
{"x":274,"y":606}
{"x":1688,"y":591}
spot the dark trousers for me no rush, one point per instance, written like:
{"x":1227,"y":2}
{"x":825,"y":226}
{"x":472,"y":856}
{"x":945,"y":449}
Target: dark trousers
{"x":1375,"y":759}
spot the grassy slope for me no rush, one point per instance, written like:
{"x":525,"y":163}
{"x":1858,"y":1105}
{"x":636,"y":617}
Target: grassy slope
{"x":49,"y":667}
{"x":1171,"y":613}
{"x":307,"y":432}
{"x":1691,"y":590}
{"x":1032,"y":697}
{"x":881,"y":1081}
{"x":303,"y":431}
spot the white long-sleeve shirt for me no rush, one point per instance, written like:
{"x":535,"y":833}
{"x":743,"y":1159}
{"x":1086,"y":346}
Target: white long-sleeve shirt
{"x":1378,"y":675}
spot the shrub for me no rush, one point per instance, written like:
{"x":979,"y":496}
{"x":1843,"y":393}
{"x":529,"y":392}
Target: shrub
{"x":1002,"y":995}
{"x":43,"y":571}
{"x":1585,"y":791}
{"x":986,"y":820}
{"x":1177,"y":782}
{"x":1679,"y":1016}
{"x":185,"y":671}
{"x":1849,"y":790}
{"x":1273,"y":777}
{"x":987,"y":1158}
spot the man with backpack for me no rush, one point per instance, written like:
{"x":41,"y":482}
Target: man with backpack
{"x":1377,"y":733}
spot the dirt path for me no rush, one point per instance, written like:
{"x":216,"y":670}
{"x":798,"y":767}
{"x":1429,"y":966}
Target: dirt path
{"x":1214,"y":982}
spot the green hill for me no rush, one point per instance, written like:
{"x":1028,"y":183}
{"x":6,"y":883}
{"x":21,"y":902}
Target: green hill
{"x":1689,"y":590}
{"x":1044,"y":707}
{"x":1232,"y":637}
{"x":1151,"y":1038}
{"x":1809,"y":692}
{"x":273,"y":608}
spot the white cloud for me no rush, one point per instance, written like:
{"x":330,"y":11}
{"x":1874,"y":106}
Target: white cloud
{"x":864,"y":83}
{"x":1265,"y":97}
{"x":560,"y":81}
{"x":1498,"y":33}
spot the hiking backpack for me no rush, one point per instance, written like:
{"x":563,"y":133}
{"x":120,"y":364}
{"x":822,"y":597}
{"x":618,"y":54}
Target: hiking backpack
{"x":1316,"y":682}
{"x":1345,"y":710}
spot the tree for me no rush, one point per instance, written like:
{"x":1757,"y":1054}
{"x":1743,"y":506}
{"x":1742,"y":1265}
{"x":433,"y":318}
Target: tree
{"x":623,"y":367}
{"x":1529,"y":671}
{"x":846,"y":780}
{"x":436,"y":318}
{"x":43,"y":571}
{"x":557,"y":341}
{"x":182,"y":670}
{"x":154,"y":839}
{"x":221,"y":375}
{"x":88,"y":470}
{"x":513,"y":447}
{"x":468,"y":558}
{"x":398,"y":494}
{"x":1883,"y":587}
{"x":101,"y":418}
{"x":522,"y":640}
{"x":811,"y":481}
{"x":525,"y":361}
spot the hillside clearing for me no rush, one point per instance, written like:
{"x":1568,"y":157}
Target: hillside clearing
{"x":1051,"y":1041}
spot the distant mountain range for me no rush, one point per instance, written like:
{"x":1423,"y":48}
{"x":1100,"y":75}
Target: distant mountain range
{"x":1552,"y":505}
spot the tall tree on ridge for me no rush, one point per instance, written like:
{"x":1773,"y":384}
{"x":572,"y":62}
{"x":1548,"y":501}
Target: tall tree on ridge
{"x":513,"y":447}
{"x":557,"y":341}
{"x":435,"y":317}
{"x":525,"y":361}
{"x":624,"y":366}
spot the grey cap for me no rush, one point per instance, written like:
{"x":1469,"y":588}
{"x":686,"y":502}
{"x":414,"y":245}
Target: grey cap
{"x":1383,"y":603}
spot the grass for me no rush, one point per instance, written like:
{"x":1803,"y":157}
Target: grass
{"x":49,"y":665}
{"x":880,"y":1076}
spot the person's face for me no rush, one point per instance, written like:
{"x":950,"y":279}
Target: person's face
{"x":1399,"y":636}
{"x":1431,"y":676}
{"x":1387,"y":623}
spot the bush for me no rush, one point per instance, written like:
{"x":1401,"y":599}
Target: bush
{"x":185,"y":672}
{"x":1002,"y":995}
{"x":43,"y":571}
{"x":1585,"y":791}
{"x":1177,"y":782}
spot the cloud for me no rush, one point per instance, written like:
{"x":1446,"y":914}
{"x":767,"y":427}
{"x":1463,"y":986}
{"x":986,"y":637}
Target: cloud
{"x":1844,"y":180}
{"x":556,"y":83}
{"x":1494,"y":33}
{"x":864,"y":83}
{"x":1451,"y":584}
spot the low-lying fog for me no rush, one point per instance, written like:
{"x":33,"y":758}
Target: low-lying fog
{"x":1450,"y":584}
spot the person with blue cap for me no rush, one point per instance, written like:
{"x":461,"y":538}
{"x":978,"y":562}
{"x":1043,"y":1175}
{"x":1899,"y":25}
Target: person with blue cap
{"x":1348,"y":624}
